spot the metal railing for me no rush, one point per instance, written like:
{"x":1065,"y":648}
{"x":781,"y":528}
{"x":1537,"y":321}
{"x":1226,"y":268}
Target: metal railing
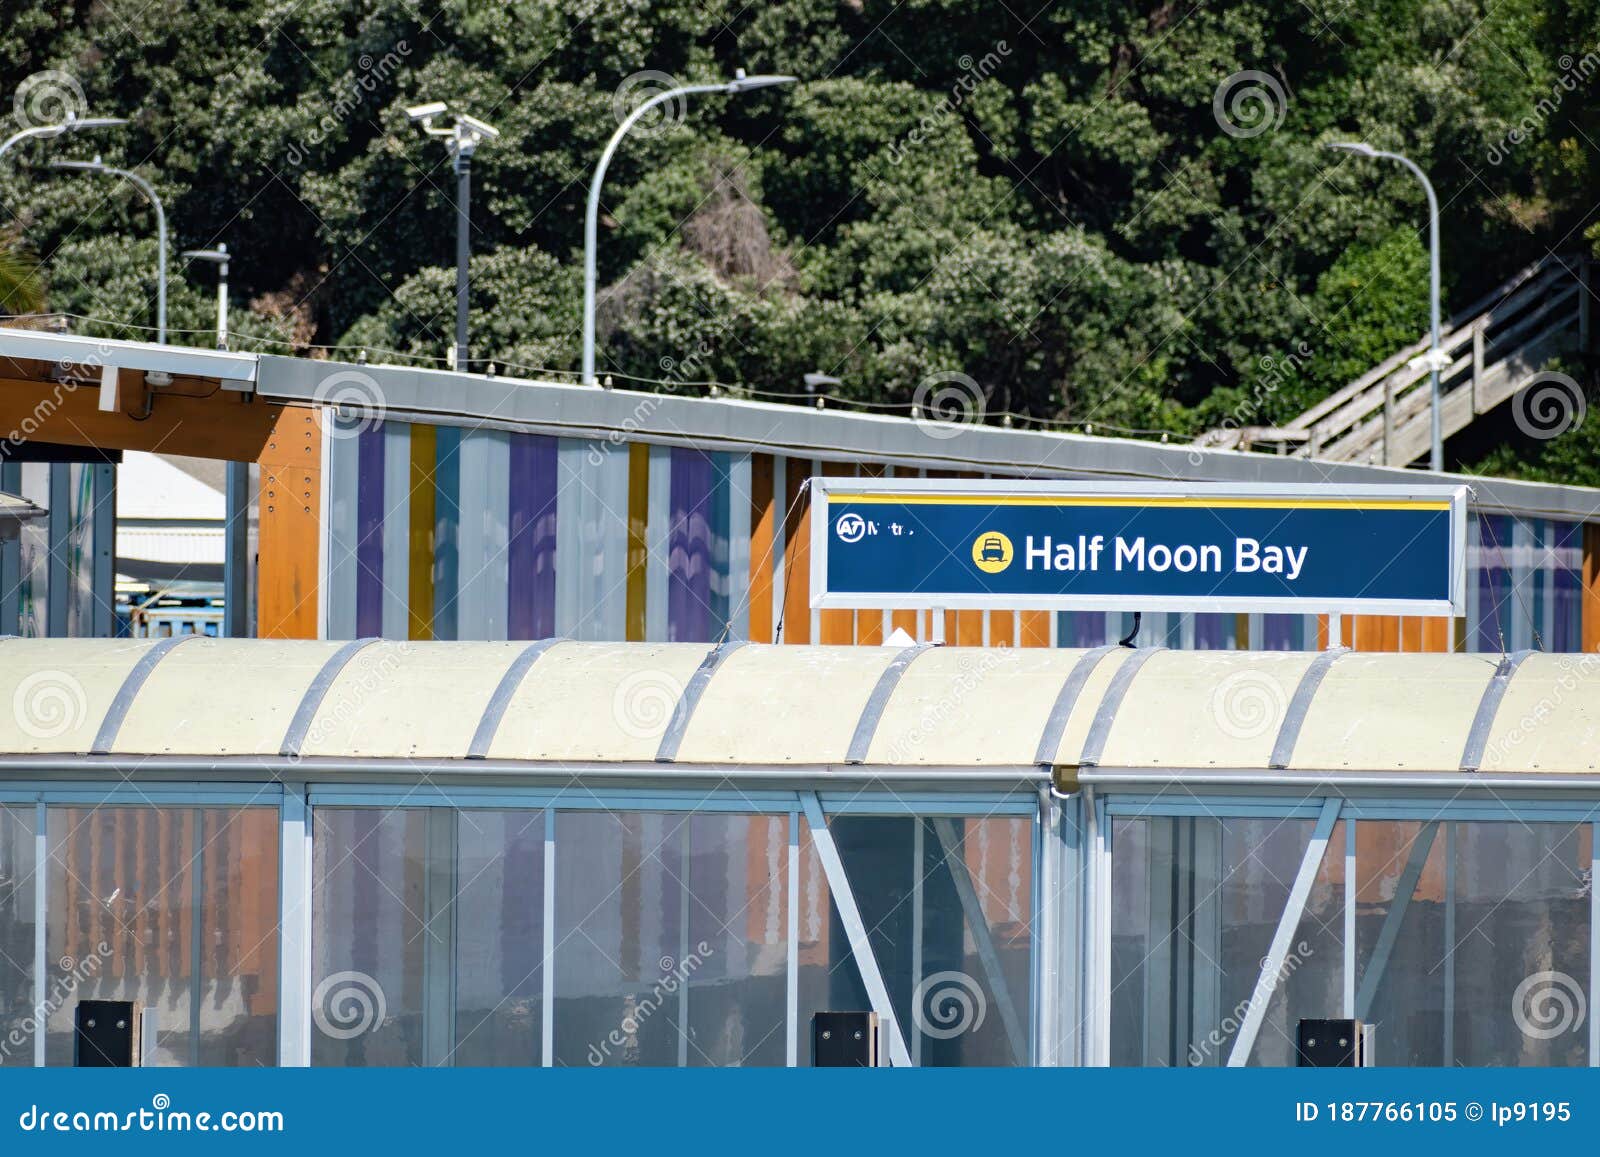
{"x":1494,"y":347}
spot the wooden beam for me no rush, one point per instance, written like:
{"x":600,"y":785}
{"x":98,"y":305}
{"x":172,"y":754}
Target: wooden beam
{"x":193,"y":417}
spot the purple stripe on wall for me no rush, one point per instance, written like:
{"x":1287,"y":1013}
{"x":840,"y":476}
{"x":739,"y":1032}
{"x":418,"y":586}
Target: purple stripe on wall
{"x":531,"y":551}
{"x":369,"y":532}
{"x":689,"y":549}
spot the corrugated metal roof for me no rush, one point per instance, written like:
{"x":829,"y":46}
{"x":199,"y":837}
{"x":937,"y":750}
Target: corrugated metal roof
{"x":1168,"y":713}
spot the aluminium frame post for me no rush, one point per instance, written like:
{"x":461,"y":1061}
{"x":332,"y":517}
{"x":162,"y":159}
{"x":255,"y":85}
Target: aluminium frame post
{"x":1449,"y":944}
{"x":41,"y":925}
{"x":1594,"y":941}
{"x":294,"y":927}
{"x":1288,"y":923}
{"x":792,"y":971}
{"x":1348,"y":1006}
{"x":918,"y":861}
{"x":844,"y":900}
{"x":547,"y":974}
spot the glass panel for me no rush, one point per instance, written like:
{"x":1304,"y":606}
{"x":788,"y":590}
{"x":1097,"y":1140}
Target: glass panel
{"x":1195,"y":904}
{"x":17,"y":1025}
{"x":175,"y":909}
{"x":500,"y":938}
{"x":672,"y":942}
{"x":947,"y":905}
{"x":621,"y":921}
{"x":1488,"y":962}
{"x":34,"y":555}
{"x":367,"y":936}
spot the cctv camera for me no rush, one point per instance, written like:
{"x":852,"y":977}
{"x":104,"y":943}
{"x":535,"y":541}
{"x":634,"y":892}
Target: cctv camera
{"x":423,"y":112}
{"x":487,"y":131}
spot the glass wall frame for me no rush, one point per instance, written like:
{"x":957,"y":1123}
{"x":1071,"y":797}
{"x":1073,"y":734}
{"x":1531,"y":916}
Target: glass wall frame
{"x":1528,"y":1001}
{"x":175,"y":930}
{"x":785,"y":806}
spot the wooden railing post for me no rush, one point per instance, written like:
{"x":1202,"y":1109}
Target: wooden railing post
{"x":1477,"y":363}
{"x":1388,"y":419}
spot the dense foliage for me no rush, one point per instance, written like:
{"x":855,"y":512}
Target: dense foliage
{"x":1087,"y":212}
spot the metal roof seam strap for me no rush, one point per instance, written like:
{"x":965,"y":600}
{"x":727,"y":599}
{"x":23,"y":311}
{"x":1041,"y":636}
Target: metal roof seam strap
{"x":1294,"y":717}
{"x":494,"y":711}
{"x":123,"y":701}
{"x":1488,"y":707}
{"x":872,"y":712}
{"x":1094,"y":745}
{"x":1055,"y":725}
{"x":683,"y":710}
{"x":304,"y":714}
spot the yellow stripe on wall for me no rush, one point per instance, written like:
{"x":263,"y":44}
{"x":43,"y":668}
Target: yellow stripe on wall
{"x":638,"y":517}
{"x":419,"y":599}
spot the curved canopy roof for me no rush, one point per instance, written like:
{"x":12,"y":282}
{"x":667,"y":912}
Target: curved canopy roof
{"x":941,"y":709}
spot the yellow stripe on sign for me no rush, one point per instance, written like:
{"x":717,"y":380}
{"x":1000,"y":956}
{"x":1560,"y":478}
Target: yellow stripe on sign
{"x":1135,"y":500}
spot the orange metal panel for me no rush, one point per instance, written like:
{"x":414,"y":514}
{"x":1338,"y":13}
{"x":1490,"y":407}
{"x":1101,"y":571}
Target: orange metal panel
{"x":764,"y":516}
{"x":797,"y":558}
{"x":837,"y":627}
{"x":290,"y":527}
{"x":1591,"y":588}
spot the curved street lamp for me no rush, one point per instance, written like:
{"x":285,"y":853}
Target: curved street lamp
{"x":739,"y":84}
{"x":72,"y":124}
{"x":144,"y":186}
{"x":1435,"y":359}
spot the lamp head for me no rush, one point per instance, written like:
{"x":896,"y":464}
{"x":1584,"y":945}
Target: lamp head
{"x":1360,"y":148}
{"x":742,"y":83}
{"x":75,"y":123}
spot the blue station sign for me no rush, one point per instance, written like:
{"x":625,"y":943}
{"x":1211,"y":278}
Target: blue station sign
{"x":1138,"y":546}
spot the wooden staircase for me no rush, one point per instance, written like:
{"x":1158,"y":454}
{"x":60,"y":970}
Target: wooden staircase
{"x":1494,"y":348}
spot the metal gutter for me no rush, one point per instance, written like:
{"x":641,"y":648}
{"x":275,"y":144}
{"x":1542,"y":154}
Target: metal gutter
{"x":1309,"y":781}
{"x":567,"y":410}
{"x":180,"y":361}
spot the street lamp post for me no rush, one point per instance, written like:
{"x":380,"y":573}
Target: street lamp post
{"x":462,"y":140}
{"x":144,"y":186}
{"x":236,"y":488}
{"x":218,"y":257}
{"x":72,"y":124}
{"x":1435,"y":360}
{"x":591,"y":224}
